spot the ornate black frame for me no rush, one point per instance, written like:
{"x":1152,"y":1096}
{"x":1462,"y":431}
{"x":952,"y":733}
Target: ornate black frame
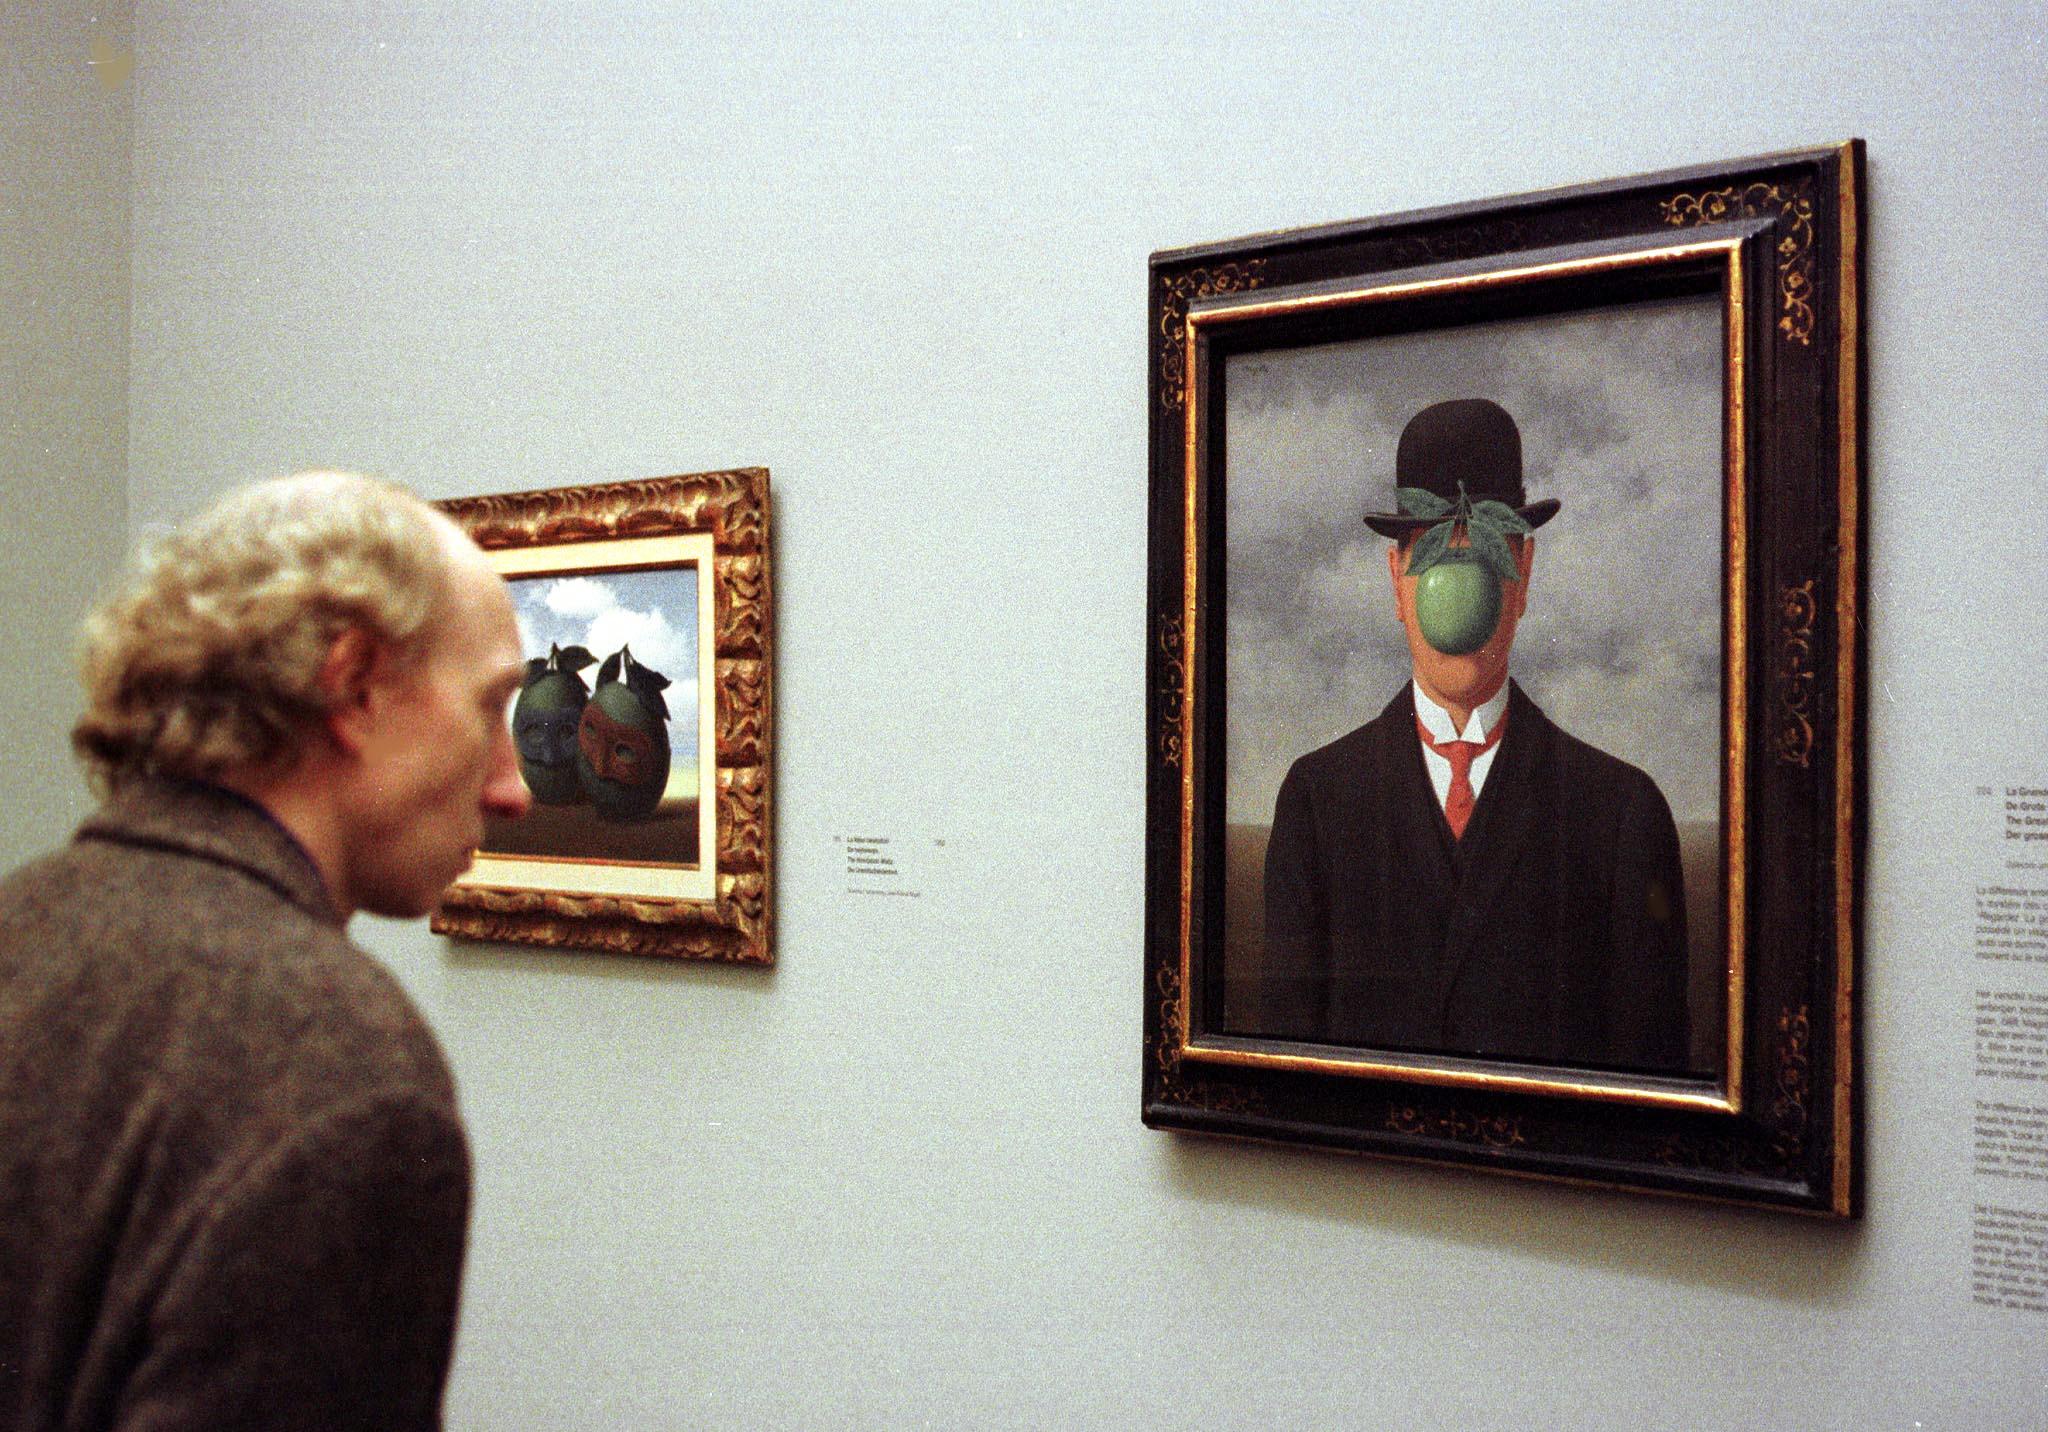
{"x":1780,"y":237}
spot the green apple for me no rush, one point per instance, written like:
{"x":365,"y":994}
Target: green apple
{"x":1457,"y":604}
{"x":544,"y":722}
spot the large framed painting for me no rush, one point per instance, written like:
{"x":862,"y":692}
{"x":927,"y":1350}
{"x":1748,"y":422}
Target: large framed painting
{"x":644,"y":725}
{"x":1504,"y":775}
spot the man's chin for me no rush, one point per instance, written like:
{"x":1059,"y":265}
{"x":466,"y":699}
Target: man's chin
{"x":412,"y":901}
{"x":403,"y":905}
{"x":1454,"y":682}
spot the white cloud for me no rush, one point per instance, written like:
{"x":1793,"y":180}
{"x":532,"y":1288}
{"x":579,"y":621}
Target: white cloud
{"x":595,"y":613}
{"x":655,"y":641}
{"x":580,"y":597}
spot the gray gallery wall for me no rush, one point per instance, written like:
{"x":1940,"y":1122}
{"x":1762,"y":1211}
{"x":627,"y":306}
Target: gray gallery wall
{"x":900,"y":1180}
{"x":64,"y":195}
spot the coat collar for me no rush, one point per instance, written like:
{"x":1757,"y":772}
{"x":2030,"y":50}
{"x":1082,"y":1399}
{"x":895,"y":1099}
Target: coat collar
{"x":1478,"y":726}
{"x":213,"y":823}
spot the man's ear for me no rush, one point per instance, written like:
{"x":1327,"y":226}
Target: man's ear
{"x":1397,"y":559}
{"x":348,"y":679}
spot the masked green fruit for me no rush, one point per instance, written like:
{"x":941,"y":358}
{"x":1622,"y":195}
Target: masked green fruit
{"x":1457,"y":605}
{"x":544,"y":721}
{"x":622,"y":750}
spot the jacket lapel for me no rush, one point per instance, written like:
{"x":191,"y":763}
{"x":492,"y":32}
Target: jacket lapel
{"x":1423,"y":848}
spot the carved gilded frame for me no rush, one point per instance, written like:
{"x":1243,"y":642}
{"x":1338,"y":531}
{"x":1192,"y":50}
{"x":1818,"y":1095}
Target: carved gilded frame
{"x":713,"y":903}
{"x":1771,"y":1118}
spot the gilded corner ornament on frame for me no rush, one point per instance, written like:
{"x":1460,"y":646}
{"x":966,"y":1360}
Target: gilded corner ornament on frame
{"x":644,"y":725}
{"x":1528,"y":850}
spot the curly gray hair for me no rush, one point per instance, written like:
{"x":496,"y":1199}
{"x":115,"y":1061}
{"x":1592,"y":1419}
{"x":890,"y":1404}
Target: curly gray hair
{"x":209,"y":658}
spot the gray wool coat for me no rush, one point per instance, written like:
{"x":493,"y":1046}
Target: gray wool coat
{"x":234,"y":1186}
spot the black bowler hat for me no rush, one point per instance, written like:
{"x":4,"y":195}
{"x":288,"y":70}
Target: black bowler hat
{"x":1468,"y":440}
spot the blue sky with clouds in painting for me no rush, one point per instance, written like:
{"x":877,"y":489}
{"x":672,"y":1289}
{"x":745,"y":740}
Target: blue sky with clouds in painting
{"x":654,"y":612}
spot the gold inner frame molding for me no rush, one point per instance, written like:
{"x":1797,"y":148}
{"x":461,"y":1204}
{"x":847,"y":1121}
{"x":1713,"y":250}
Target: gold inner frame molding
{"x":1722,"y":1094}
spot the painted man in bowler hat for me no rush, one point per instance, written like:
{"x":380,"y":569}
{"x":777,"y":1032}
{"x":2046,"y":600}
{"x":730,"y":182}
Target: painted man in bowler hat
{"x":1459,"y":875}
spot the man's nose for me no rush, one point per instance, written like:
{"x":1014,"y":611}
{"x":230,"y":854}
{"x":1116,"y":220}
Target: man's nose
{"x":505,"y":794}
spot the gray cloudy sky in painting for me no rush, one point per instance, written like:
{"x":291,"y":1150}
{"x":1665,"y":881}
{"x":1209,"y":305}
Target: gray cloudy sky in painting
{"x":1620,"y":412}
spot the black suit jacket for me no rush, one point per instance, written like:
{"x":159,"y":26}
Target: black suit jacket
{"x":1553,"y":931}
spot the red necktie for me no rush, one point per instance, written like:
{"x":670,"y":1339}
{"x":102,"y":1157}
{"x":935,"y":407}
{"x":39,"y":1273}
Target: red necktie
{"x":1461,"y":754}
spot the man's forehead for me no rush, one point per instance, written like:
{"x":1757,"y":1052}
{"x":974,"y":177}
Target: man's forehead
{"x":469,"y":572}
{"x":476,"y":624}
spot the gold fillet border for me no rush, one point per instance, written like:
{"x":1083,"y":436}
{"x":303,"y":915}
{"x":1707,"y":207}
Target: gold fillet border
{"x":1729,"y":1099}
{"x":1735,"y":679}
{"x":1848,"y":409}
{"x":1272,"y":305}
{"x":1190,"y":638}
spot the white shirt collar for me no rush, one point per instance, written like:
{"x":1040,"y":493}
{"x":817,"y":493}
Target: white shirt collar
{"x":1437,"y":721}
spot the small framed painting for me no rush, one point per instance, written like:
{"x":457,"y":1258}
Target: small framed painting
{"x":644,"y":723}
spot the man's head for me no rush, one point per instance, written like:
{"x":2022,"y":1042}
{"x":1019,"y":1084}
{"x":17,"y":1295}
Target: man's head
{"x":1455,"y":456}
{"x":1460,"y":683}
{"x":335,"y":647}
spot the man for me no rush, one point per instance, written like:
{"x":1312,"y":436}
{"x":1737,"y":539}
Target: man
{"x":1459,"y":875}
{"x":233,"y":1181}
